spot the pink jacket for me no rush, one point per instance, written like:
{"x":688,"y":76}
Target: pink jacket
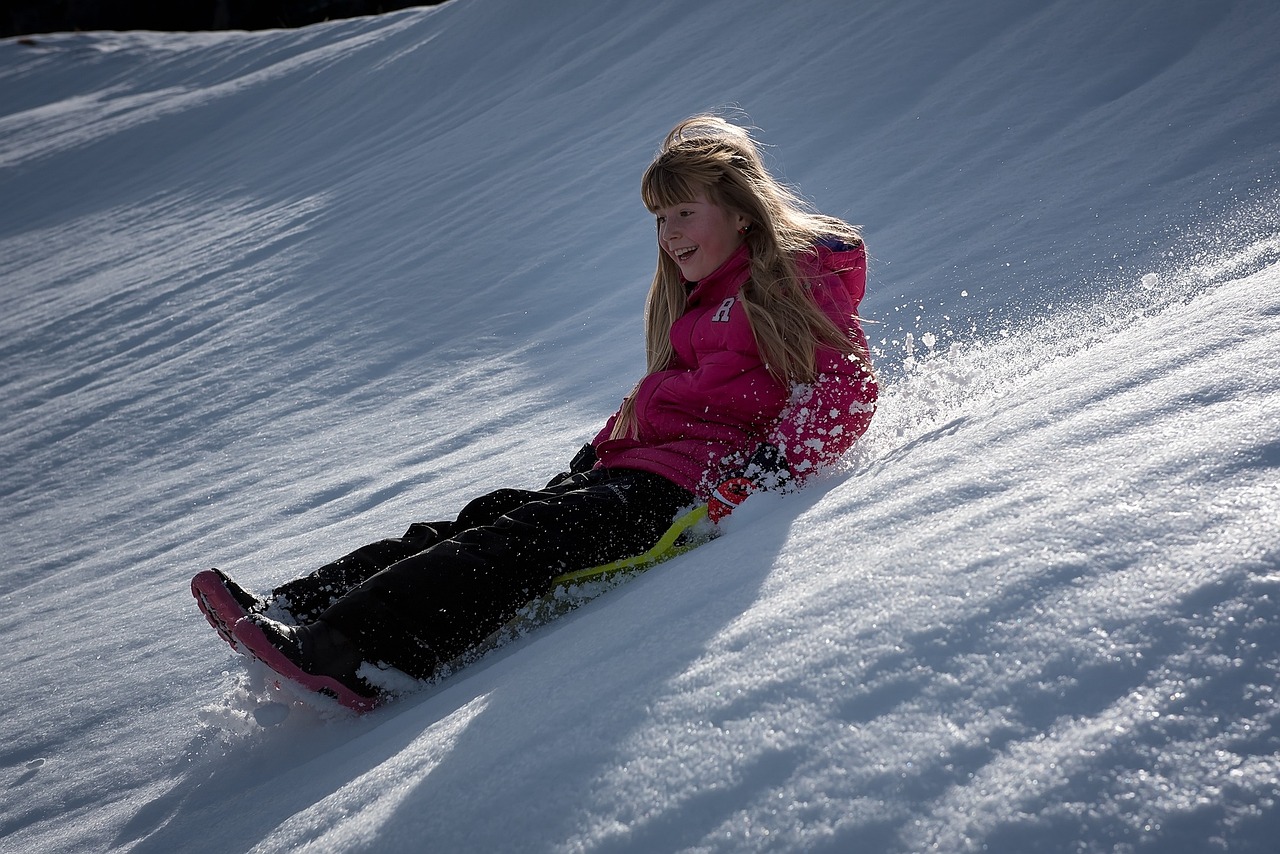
{"x":701,"y":418}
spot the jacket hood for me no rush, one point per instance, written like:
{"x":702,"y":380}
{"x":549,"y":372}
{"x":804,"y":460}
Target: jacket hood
{"x":847,"y":261}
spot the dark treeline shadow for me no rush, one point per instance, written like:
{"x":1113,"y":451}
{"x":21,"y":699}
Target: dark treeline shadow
{"x":30,"y":17}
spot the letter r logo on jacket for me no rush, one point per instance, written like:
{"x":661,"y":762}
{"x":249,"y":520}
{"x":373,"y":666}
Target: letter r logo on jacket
{"x":722,"y":313}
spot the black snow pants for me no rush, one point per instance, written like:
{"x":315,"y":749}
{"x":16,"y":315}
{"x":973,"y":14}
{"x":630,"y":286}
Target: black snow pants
{"x":419,"y":601}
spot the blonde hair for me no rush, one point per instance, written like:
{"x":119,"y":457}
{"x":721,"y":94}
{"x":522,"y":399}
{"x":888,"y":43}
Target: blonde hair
{"x":706,"y":153}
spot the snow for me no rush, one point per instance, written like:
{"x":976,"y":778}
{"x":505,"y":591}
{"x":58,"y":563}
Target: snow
{"x":265,"y":297}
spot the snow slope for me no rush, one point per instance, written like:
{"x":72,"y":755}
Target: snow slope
{"x":265,"y":297}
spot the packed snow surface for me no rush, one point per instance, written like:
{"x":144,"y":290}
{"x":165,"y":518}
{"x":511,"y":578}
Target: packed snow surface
{"x":265,"y":297}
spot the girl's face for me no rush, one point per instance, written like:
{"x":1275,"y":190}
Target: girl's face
{"x":699,"y":235}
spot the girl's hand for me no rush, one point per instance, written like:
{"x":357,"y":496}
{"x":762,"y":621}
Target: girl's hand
{"x":767,"y":469}
{"x":727,"y":496}
{"x":584,"y":460}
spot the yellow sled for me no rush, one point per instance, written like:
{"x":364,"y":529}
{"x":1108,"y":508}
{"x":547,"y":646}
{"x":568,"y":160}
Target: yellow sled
{"x":572,"y":589}
{"x":686,"y":532}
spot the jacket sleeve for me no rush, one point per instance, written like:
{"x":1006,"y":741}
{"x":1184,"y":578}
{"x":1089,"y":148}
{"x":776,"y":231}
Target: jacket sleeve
{"x":823,"y":419}
{"x":606,"y":431}
{"x":728,"y":388}
{"x":728,"y":396}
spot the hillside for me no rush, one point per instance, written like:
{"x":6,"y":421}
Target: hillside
{"x":267,"y":296}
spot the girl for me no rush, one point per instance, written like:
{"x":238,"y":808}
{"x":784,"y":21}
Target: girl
{"x":758,"y":375}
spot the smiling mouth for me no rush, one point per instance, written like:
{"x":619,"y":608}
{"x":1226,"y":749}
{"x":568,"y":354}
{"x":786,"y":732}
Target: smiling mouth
{"x":682,"y":255}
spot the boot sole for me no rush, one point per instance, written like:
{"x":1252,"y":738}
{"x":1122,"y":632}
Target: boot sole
{"x":251,"y":640}
{"x":219,"y":607}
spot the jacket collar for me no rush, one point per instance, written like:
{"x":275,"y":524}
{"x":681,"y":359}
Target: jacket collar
{"x":726,"y":279}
